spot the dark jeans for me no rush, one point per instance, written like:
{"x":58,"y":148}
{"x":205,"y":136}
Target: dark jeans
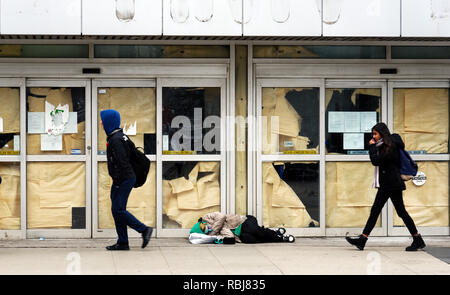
{"x":251,"y":232}
{"x":123,"y":218}
{"x":397,"y":200}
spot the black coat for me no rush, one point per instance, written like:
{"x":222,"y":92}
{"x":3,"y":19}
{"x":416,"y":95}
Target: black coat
{"x":118,"y":155}
{"x":389,"y":164}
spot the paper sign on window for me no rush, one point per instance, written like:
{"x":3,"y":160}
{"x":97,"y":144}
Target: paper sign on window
{"x":51,"y":142}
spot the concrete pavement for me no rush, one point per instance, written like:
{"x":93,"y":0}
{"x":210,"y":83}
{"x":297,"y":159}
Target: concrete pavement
{"x":176,"y":256}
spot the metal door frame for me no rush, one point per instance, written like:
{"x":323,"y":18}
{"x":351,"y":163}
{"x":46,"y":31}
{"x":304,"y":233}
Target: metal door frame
{"x":86,"y":158}
{"x":414,"y":83}
{"x":110,"y":83}
{"x":260,"y":158}
{"x":20,"y":159}
{"x":359,"y":83}
{"x":160,"y":157}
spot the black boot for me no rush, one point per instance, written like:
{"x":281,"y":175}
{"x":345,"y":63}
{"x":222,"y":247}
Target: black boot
{"x":118,"y":247}
{"x":359,"y":242}
{"x":146,"y":235}
{"x":417,"y":243}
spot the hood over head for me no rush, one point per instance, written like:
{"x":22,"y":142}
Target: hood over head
{"x":110,"y":120}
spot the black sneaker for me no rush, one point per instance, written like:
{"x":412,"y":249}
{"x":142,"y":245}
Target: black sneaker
{"x":146,"y":235}
{"x":118,"y":247}
{"x":281,"y":231}
{"x":289,"y":238}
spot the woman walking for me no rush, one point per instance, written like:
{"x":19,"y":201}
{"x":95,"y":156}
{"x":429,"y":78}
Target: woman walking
{"x":384,"y":155}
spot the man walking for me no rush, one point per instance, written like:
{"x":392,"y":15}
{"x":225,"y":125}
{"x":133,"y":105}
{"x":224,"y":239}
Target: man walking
{"x":124,"y":178}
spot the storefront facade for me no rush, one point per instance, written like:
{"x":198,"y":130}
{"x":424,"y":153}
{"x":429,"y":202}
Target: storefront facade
{"x":275,"y":127}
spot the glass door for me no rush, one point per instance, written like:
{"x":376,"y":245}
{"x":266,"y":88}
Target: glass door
{"x":191,"y":153}
{"x":352,"y":108}
{"x":135,"y":100}
{"x":58,"y":159}
{"x":12,"y":121}
{"x":290,"y":162}
{"x":419,"y":112}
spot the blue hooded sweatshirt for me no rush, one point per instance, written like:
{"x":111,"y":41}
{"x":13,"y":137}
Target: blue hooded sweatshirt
{"x":111,"y":120}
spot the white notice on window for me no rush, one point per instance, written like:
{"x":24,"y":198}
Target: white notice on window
{"x":165,"y":142}
{"x":336,"y":122}
{"x":368,"y":120}
{"x":51,"y":142}
{"x":1,"y":124}
{"x":16,"y":142}
{"x":36,"y":122}
{"x":353,"y":141}
{"x":72,"y":124}
{"x":352,"y":122}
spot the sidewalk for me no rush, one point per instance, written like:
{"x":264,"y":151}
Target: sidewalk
{"x":176,"y":256}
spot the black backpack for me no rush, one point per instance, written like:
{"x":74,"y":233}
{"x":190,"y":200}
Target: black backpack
{"x":140,"y":163}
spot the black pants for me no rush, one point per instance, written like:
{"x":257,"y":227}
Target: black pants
{"x":123,"y":218}
{"x":397,"y":200}
{"x":252,"y":233}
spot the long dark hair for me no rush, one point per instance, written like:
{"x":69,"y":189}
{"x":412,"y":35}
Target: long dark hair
{"x":385,"y":135}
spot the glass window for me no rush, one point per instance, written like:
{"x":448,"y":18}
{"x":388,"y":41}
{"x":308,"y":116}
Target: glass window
{"x":161,"y":51}
{"x":350,"y":115}
{"x":427,"y":204}
{"x":45,"y":51}
{"x":56,"y":121}
{"x":189,"y":191}
{"x":141,"y":203}
{"x":10,"y":196}
{"x":290,"y":119}
{"x":9,"y":121}
{"x":291,"y":194}
{"x":349,"y":194}
{"x":56,"y":195}
{"x":420,"y":52}
{"x":320,"y":51}
{"x":191,"y":120}
{"x":137,"y":108}
{"x":421,"y":118}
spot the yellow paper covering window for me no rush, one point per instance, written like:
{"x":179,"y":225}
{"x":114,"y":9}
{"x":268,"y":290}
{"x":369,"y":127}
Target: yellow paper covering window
{"x":141,"y":202}
{"x":281,"y":123}
{"x":281,"y":205}
{"x":428,"y":204}
{"x":421,"y":118}
{"x":134,"y":105}
{"x":354,"y":184}
{"x":53,"y":188}
{"x":347,"y":207}
{"x":36,"y":103}
{"x":10,"y":97}
{"x":10,"y":110}
{"x":10,"y":196}
{"x":186,"y":200}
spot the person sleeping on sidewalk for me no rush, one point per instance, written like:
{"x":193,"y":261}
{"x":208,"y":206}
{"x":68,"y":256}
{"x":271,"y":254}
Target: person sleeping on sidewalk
{"x":220,"y":228}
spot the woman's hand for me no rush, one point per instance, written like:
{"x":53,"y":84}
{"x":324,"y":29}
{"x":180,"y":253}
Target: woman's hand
{"x":372,"y":141}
